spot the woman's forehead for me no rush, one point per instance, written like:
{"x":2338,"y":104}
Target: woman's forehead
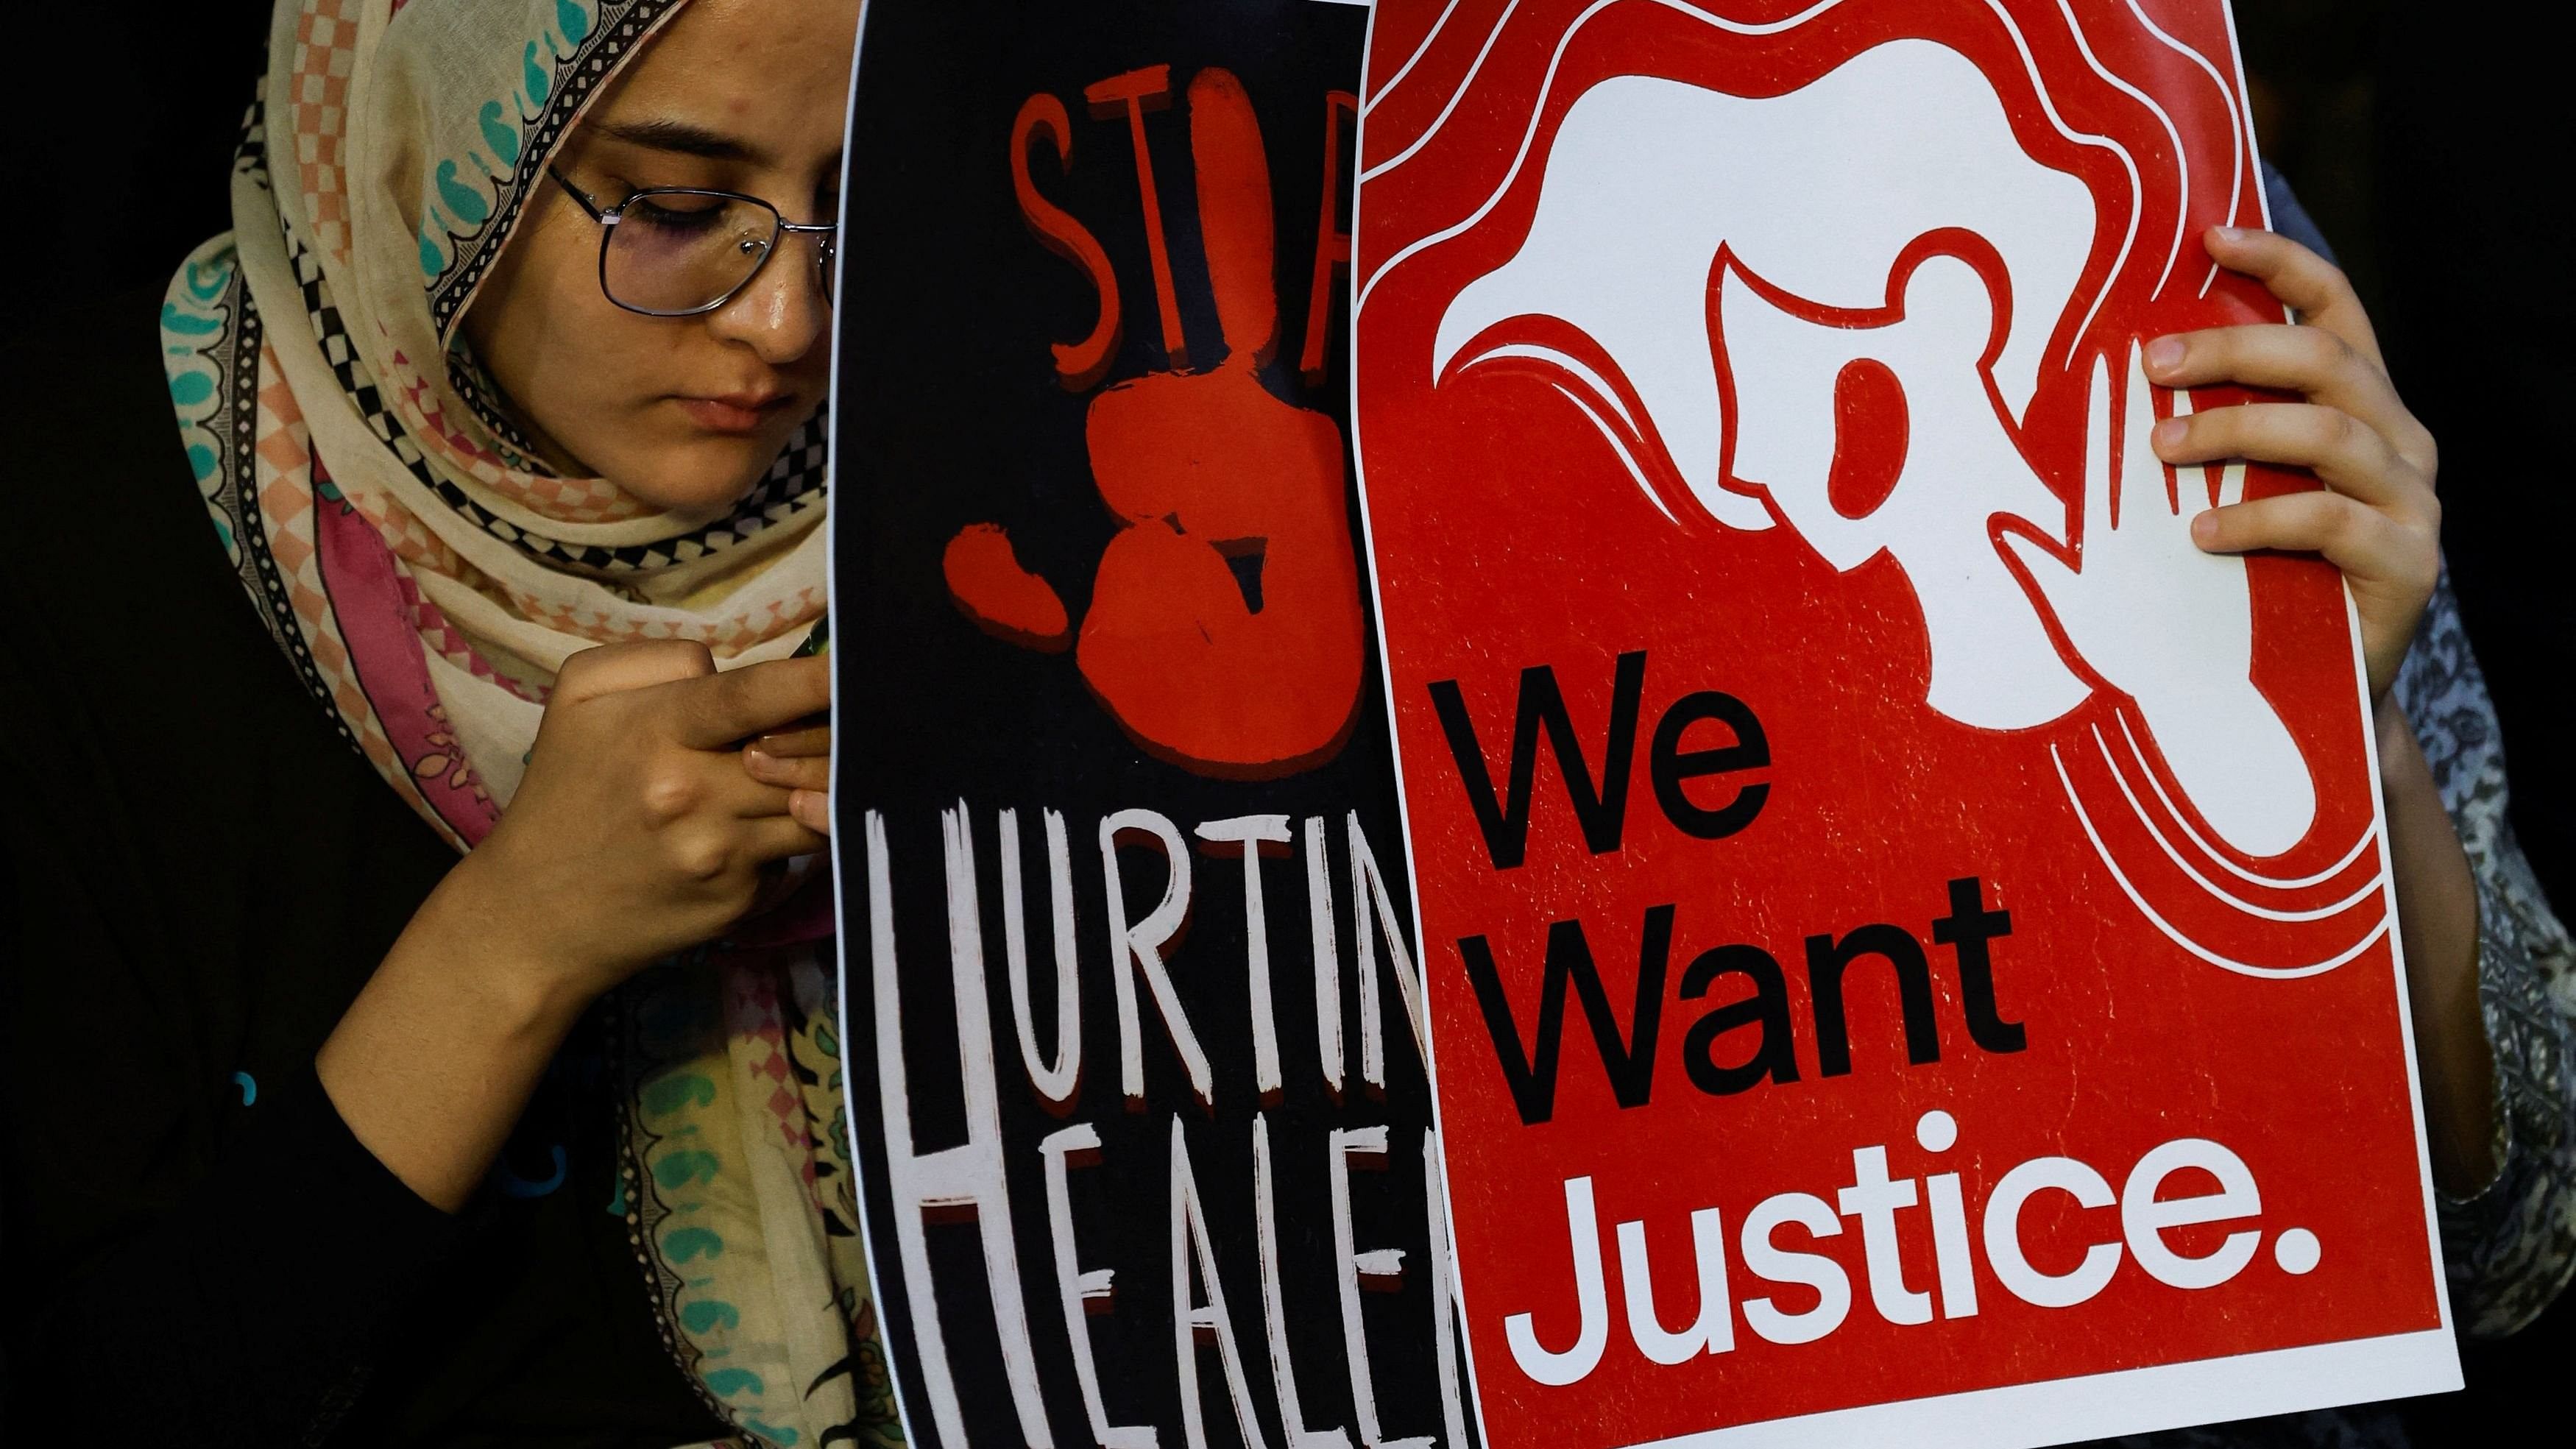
{"x":734,"y":79}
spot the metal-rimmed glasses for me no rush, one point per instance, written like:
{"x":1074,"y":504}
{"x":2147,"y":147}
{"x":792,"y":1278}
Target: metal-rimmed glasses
{"x":678,"y":251}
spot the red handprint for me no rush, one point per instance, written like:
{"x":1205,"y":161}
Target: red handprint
{"x":1224,"y":633}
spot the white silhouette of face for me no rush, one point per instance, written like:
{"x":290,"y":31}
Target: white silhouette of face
{"x":1992,"y":663}
{"x":1819,"y":196}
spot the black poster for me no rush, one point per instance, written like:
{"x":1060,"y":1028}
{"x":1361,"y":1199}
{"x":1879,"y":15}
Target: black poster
{"x":1133,"y":1019}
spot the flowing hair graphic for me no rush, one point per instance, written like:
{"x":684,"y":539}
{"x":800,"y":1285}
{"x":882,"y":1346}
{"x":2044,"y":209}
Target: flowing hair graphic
{"x":1712,"y":266}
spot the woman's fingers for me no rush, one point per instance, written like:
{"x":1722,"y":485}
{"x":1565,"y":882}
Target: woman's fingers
{"x":792,"y":789}
{"x":2321,"y":367}
{"x":2378,"y":519}
{"x":800,"y":762}
{"x":2333,"y":360}
{"x":811,"y":809}
{"x":2348,"y":455}
{"x":2266,"y":354}
{"x":2366,"y":543}
{"x":614,"y":668}
{"x":780,"y":837}
{"x":2308,"y":284}
{"x":794,"y":772}
{"x":745,"y":797}
{"x":2388,"y":561}
{"x":715,"y":712}
{"x":812,"y":739}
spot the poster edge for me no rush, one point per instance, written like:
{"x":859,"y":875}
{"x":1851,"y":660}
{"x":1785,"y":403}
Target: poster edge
{"x":2244,"y":102}
{"x":859,"y":1174}
{"x":2399,"y":1365}
{"x":2159,"y":1396}
{"x":1475,"y":1407}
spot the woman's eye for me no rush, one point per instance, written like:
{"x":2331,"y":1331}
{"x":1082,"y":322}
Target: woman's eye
{"x":675,"y":213}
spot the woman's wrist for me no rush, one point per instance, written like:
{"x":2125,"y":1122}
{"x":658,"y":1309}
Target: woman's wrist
{"x":467,"y":935}
{"x":433,"y":1061}
{"x":2437,"y":902}
{"x":2388,"y":720}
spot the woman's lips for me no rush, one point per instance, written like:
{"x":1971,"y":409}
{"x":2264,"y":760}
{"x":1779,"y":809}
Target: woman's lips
{"x":734,"y":412}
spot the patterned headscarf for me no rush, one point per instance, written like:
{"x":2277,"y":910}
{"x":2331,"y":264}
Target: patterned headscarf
{"x":427,"y":578}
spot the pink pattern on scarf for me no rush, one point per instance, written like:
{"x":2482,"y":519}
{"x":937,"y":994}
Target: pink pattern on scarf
{"x":377,"y":618}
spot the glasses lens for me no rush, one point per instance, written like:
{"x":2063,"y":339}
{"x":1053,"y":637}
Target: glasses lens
{"x":677,"y":252}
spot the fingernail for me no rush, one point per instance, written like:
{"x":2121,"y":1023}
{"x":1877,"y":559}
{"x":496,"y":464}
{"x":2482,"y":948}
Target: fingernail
{"x":757,"y":760}
{"x":811,"y":808}
{"x":2165,"y":353}
{"x":2204,"y":528}
{"x":2170,"y":431}
{"x":2228,"y":233}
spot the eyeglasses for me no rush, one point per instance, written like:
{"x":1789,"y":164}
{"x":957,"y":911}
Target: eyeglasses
{"x":677,"y":251}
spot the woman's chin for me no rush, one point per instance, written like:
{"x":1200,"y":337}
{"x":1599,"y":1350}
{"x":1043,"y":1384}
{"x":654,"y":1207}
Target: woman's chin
{"x":706,"y":475}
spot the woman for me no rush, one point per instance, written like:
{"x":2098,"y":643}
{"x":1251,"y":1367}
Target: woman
{"x":510,"y":450}
{"x":473,"y":417}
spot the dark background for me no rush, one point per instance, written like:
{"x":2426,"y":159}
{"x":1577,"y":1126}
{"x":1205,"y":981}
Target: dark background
{"x":2431,"y":143}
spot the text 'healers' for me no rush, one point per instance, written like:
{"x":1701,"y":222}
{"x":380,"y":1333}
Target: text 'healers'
{"x":1752,"y":1039}
{"x":972,"y":1180}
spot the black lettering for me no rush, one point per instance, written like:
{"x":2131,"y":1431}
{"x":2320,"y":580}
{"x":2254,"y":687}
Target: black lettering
{"x":1776,"y":1058}
{"x":1826,"y":960}
{"x":1966,"y":930}
{"x":1669,"y":765}
{"x":1627,"y":1059}
{"x":1602,"y":812}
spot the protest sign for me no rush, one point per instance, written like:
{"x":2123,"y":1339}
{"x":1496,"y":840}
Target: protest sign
{"x":1133,"y":1030}
{"x":1909,"y":941}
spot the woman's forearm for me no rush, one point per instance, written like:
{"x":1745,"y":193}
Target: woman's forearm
{"x":2437,"y":908}
{"x":636,"y":832}
{"x":434,"y":1061}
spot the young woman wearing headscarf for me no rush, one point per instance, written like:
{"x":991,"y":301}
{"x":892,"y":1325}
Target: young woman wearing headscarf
{"x":349,"y":1103}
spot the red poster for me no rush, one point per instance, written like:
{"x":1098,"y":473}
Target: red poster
{"x":1909,"y":939}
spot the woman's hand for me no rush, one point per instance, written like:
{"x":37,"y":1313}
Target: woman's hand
{"x":636,"y":831}
{"x":2379,"y":522}
{"x":798,"y":760}
{"x":2377,"y":518}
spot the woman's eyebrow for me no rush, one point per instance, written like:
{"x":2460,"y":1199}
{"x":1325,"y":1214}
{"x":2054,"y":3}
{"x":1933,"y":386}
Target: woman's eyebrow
{"x":684,"y":138}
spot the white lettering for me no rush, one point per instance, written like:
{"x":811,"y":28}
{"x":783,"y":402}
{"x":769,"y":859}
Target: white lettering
{"x":1815,"y":1270}
{"x":1081,"y":1294}
{"x":1714,"y":1330}
{"x":1140,"y":947}
{"x":1352,"y":1265}
{"x":2003,"y":1233}
{"x":1591,"y":1297}
{"x":1950,"y":1252}
{"x":2143,"y":1219}
{"x":1373,"y":916}
{"x":1194,"y":1323}
{"x":1435,"y":1207}
{"x":967,"y":1179}
{"x":1328,"y":959}
{"x":1274,"y":1305}
{"x":1057,"y":1076}
{"x":1251,"y":832}
{"x":1874,"y":1199}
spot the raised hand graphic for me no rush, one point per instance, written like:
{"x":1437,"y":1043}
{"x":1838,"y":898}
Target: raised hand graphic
{"x":2171,"y":626}
{"x":1224,"y":632}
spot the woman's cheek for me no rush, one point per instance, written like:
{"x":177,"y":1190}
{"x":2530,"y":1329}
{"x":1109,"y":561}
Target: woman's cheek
{"x":688,"y":470}
{"x":630,"y":428}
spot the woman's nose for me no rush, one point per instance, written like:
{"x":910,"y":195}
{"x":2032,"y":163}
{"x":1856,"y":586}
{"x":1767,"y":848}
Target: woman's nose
{"x":784,"y":311}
